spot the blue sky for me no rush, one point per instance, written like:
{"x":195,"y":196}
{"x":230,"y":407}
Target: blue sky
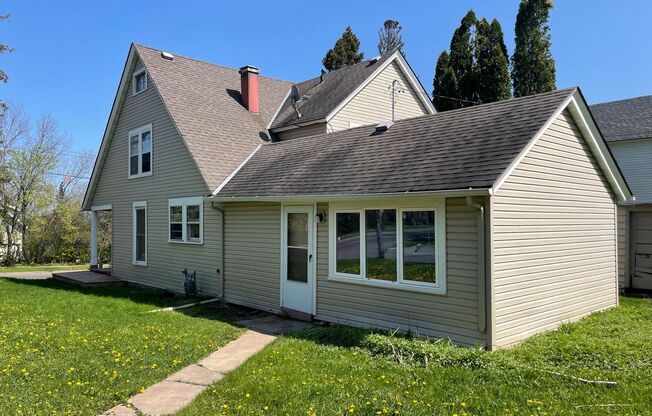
{"x":69,"y":54}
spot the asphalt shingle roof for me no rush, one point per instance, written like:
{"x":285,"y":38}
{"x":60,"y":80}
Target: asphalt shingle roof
{"x":204,"y":102}
{"x":459,"y":149}
{"x":319,"y":98}
{"x":624,"y":119}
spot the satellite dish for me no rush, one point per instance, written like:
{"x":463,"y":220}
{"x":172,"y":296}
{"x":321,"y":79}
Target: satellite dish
{"x":294,"y":98}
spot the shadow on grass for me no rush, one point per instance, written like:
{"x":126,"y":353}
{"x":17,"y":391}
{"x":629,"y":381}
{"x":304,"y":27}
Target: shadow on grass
{"x":157,"y":298}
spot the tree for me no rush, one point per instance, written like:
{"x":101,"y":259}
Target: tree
{"x":462,"y":59}
{"x":492,"y":65}
{"x":4,"y":48}
{"x":27,"y":189}
{"x":445,"y":85}
{"x":533,"y":68}
{"x":389,"y":37}
{"x":344,"y":53}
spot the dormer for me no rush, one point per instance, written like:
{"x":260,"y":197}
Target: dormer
{"x":379,"y":90}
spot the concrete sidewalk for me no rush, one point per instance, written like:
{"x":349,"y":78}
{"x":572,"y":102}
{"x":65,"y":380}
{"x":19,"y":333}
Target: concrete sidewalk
{"x":27,"y":275}
{"x":179,"y":389}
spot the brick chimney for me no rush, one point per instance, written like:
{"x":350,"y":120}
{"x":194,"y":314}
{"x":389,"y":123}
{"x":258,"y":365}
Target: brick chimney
{"x":249,"y":88}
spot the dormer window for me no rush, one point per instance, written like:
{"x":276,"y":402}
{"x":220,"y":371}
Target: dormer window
{"x":140,"y":81}
{"x":140,"y":152}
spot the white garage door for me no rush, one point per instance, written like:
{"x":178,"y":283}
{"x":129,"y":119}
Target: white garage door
{"x":642,"y":250}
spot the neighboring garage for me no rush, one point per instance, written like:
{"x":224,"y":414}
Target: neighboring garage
{"x":627,"y":127}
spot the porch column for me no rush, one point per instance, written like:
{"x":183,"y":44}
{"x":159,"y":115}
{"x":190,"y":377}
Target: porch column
{"x":93,"y":240}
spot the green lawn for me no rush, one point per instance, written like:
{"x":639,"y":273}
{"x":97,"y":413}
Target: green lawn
{"x":71,"y":350}
{"x":43,"y":267}
{"x":343,"y":371}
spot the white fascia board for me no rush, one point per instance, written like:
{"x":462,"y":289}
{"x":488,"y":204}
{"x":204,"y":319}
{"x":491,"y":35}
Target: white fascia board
{"x":416,"y":84}
{"x":580,"y":112}
{"x":341,"y":197}
{"x":125,"y":82}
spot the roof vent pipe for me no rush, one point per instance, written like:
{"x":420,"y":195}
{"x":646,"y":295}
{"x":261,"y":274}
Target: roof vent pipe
{"x":249,"y":90}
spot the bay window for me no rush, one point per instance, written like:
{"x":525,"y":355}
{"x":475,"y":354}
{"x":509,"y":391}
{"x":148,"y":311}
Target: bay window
{"x":400,"y":244}
{"x":186,"y":220}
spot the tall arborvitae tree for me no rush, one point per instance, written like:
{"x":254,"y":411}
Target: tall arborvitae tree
{"x":492,"y":65}
{"x":389,"y":37}
{"x":477,"y":70}
{"x":445,"y":85}
{"x":346,"y":52}
{"x":462,"y":59}
{"x":533,"y":68}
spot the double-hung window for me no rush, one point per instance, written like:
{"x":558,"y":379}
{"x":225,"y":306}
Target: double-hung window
{"x":399,"y":244}
{"x":140,"y":233}
{"x":186,"y":220}
{"x":139,"y":82}
{"x":140,"y":152}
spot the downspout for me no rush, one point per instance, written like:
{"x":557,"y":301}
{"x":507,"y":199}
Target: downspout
{"x":482,"y":306}
{"x":221,"y":267}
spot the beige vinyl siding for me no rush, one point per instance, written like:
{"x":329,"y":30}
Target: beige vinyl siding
{"x":174,"y":175}
{"x":252,"y":255}
{"x":634,"y":158}
{"x":373,"y":104}
{"x":306,"y":131}
{"x":554,"y":237}
{"x":623,"y":244}
{"x":454,"y":315}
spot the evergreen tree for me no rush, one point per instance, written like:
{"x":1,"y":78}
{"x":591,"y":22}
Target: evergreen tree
{"x":389,"y":37}
{"x":533,"y":68}
{"x":445,"y":85}
{"x":492,"y":65}
{"x":344,"y":53}
{"x":462,"y":59}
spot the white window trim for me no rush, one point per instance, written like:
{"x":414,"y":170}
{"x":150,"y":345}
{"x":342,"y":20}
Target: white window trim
{"x":437,"y":205}
{"x":184,"y":202}
{"x":133,"y":82}
{"x":138,"y":204}
{"x":139,"y":131}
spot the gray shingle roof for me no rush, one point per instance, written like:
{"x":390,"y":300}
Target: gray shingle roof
{"x":204,"y":102}
{"x":624,"y":119}
{"x":460,"y":149}
{"x":320,"y":98}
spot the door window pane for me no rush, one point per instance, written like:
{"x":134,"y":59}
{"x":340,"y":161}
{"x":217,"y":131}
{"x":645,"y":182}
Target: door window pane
{"x":419,"y":259}
{"x":297,"y":229}
{"x":380,"y":244}
{"x":348,"y":243}
{"x":297,"y":267}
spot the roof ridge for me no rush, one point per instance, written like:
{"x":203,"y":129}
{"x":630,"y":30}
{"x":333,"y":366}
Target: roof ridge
{"x":438,"y":115}
{"x":207,"y":63}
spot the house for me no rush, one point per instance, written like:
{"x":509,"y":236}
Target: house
{"x":346,"y":199}
{"x":627,"y":127}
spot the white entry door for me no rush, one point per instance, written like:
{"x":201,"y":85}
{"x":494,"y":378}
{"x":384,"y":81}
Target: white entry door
{"x":298,"y":258}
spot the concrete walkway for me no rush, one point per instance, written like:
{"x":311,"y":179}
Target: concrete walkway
{"x":28,"y":275}
{"x":179,"y":389}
